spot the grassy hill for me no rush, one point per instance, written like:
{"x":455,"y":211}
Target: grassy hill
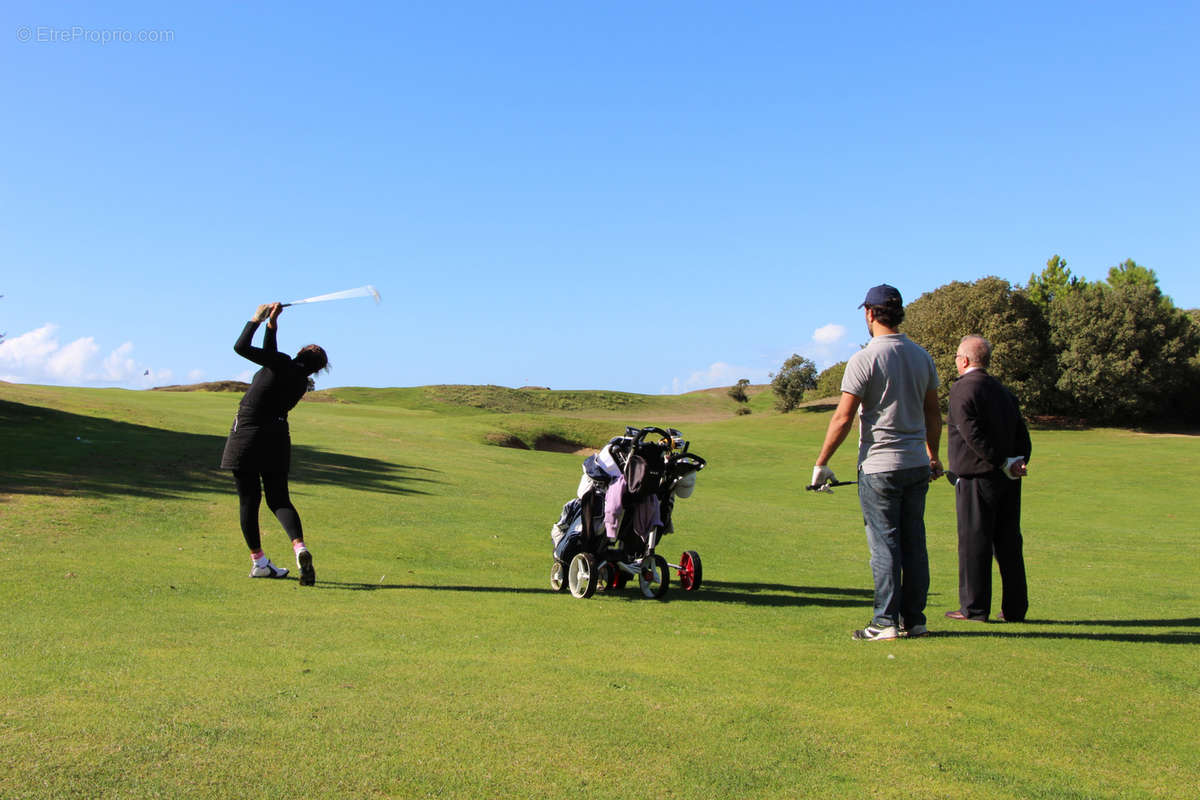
{"x":431,"y":659}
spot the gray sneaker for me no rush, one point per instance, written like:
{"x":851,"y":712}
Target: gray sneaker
{"x":873,"y":633}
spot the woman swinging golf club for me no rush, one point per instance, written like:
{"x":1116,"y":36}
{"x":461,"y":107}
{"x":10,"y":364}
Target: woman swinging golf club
{"x":258,"y":449}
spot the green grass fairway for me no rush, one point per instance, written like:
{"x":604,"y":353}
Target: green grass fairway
{"x":137,"y":659}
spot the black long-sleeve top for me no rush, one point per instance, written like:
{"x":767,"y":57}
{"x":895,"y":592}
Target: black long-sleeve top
{"x":985,"y":425}
{"x":278,"y":386}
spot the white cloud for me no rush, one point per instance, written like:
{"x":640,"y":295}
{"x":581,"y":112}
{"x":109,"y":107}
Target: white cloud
{"x":70,"y":363}
{"x":717,"y":374}
{"x":829,"y":345}
{"x":195,"y":376}
{"x":29,"y":348}
{"x":38,"y":357}
{"x":829,"y":334}
{"x":119,"y":366}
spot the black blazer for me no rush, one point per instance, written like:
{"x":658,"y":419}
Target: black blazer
{"x":985,"y":425}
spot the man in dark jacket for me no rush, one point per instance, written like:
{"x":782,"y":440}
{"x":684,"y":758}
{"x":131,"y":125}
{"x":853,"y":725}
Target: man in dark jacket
{"x":989,"y":449}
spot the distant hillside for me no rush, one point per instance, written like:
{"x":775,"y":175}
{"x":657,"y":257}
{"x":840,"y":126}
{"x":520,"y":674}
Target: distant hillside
{"x":709,"y":404}
{"x":699,"y":405}
{"x":213,"y":386}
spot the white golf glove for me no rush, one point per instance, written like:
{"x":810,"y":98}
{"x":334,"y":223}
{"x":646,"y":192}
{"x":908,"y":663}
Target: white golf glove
{"x":821,"y":478}
{"x":1014,"y":468}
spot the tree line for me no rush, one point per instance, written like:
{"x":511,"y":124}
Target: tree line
{"x":1115,"y":351}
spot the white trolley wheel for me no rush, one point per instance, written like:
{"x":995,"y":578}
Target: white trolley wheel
{"x":655,"y":577}
{"x":583,"y":575}
{"x":558,"y":577}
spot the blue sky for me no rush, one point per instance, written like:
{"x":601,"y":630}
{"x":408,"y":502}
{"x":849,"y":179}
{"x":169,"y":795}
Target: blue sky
{"x":651,"y":197}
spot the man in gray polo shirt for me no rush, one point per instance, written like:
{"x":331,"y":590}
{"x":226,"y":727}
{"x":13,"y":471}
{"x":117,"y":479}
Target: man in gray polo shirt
{"x":893,"y":383}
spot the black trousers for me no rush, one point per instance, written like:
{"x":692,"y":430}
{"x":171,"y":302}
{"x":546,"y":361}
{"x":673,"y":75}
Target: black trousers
{"x":989,"y":524}
{"x":250,"y":493}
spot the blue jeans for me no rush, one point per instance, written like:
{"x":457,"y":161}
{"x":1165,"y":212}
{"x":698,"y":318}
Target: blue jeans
{"x":893,"y":506}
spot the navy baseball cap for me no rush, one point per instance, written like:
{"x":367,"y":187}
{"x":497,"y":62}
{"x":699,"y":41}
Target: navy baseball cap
{"x":882,"y":295}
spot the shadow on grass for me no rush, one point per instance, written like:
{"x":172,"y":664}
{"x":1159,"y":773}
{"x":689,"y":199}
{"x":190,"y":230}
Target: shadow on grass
{"x":1006,"y":632}
{"x":1185,"y":622}
{"x":1164,"y":427}
{"x":817,"y":408}
{"x":51,"y":452}
{"x":776,"y":595}
{"x":747,"y":594}
{"x":732,"y":586}
{"x":1020,"y":630}
{"x":1051,"y":422}
{"x":371,"y":587}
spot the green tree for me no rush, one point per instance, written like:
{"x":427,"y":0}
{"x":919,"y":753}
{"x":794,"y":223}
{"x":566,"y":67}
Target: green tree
{"x":1125,"y":353}
{"x":1056,"y":279}
{"x":829,"y":382}
{"x":1189,"y":406}
{"x":990,"y":307}
{"x":738,"y":390}
{"x":1130,"y":273}
{"x":795,"y":377}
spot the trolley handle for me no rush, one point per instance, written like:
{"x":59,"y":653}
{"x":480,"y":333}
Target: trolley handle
{"x":691,"y":460}
{"x":641,"y":435}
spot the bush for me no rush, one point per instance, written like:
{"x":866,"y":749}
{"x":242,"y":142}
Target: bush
{"x":1125,"y":353}
{"x":1184,"y":406}
{"x":829,"y":382}
{"x":795,"y":377}
{"x":738,"y":391}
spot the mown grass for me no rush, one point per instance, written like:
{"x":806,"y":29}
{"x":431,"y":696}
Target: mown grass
{"x":431,"y":660}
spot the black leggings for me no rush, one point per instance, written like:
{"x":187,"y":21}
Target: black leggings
{"x":250,"y":494}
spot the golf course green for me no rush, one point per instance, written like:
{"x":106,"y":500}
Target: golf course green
{"x":431,"y":658}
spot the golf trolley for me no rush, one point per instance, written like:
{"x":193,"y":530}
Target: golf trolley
{"x":608,"y":533}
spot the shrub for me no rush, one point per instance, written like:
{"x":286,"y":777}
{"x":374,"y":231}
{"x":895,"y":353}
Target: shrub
{"x":829,"y":382}
{"x":1125,"y":352}
{"x":795,"y":377}
{"x":738,"y":391}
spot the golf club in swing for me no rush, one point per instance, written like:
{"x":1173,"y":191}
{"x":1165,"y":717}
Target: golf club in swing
{"x":362,"y":291}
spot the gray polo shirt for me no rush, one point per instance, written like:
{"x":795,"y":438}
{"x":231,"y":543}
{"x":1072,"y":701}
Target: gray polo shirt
{"x":891,"y":376}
